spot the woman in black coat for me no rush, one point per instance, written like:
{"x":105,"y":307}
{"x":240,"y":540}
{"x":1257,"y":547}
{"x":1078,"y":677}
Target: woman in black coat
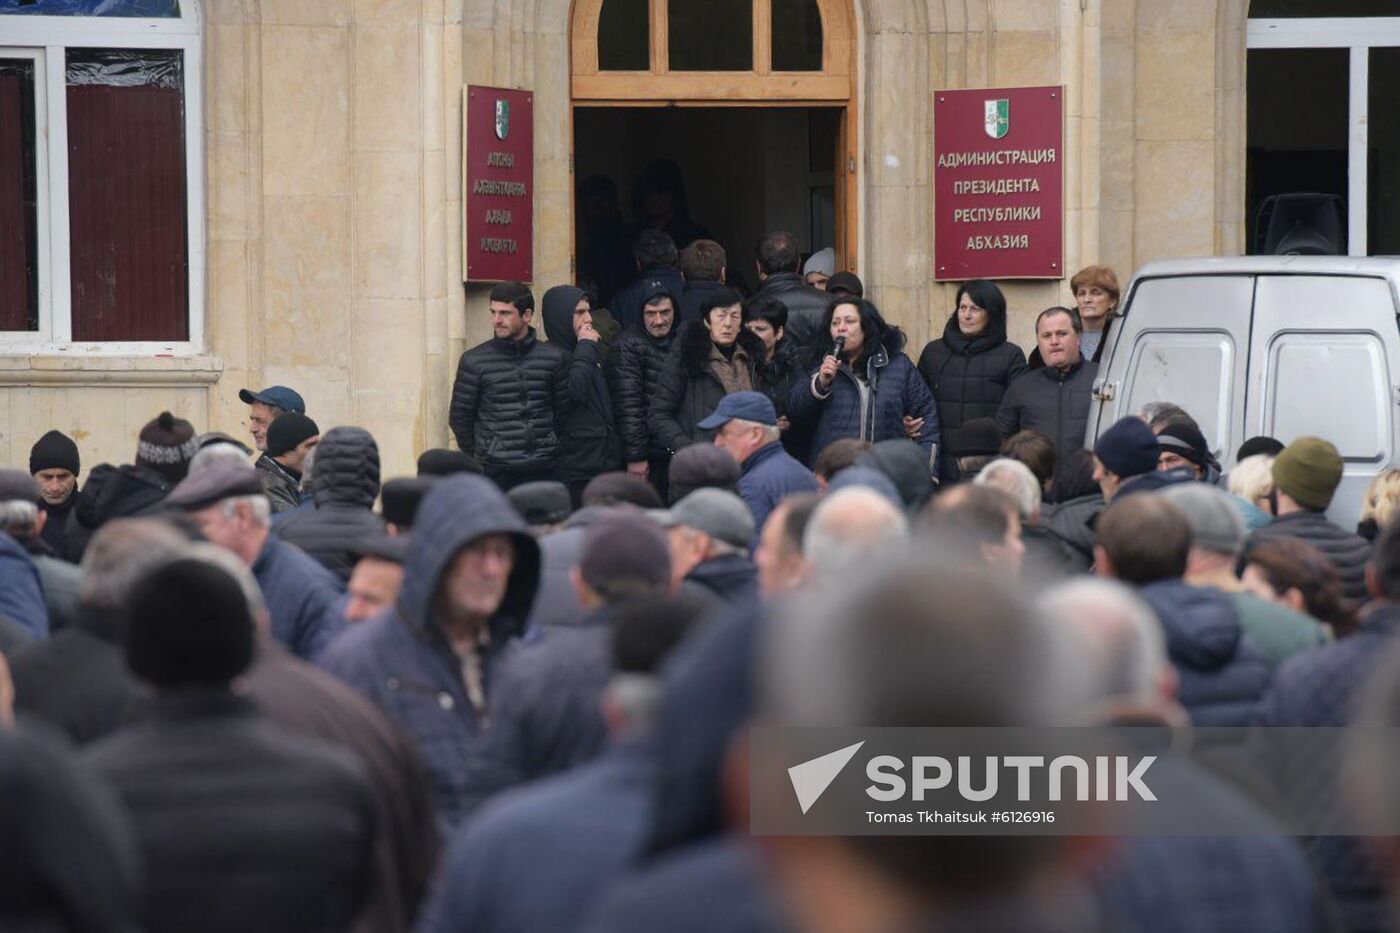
{"x":970,"y":366}
{"x":710,"y":358}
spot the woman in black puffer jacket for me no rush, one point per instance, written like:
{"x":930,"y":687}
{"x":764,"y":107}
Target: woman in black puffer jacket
{"x":969,"y":368}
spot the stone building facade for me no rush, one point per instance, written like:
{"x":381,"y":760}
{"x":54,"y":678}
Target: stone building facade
{"x":332,"y":189}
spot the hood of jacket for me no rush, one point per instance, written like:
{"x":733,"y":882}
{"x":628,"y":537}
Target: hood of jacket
{"x":992,"y":337}
{"x":345,"y":470}
{"x":121,"y":491}
{"x":1202,"y":626}
{"x":695,"y":345}
{"x":456,"y":511}
{"x":557,"y":310}
{"x":906,"y":464}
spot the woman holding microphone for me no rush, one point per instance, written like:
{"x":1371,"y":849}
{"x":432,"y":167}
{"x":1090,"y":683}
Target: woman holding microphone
{"x":864,"y":387}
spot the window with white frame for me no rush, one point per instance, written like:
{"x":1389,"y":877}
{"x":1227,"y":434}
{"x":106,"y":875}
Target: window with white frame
{"x":101,"y":177}
{"x":1323,"y":150}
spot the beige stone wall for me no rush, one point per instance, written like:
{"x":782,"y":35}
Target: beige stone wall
{"x":333,"y":153}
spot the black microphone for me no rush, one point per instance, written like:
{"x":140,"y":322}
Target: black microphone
{"x":838,"y":346}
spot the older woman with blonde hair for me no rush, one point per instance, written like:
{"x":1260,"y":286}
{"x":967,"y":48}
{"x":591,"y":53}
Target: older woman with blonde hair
{"x":1251,"y":480}
{"x":1381,"y":505}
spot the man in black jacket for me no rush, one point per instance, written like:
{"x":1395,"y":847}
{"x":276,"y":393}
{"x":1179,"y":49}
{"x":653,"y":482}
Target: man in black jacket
{"x":510,"y":401}
{"x":1053,"y":400}
{"x":54,"y":464}
{"x":1306,"y":475}
{"x":656,"y":258}
{"x":242,"y":826}
{"x":779,"y":261}
{"x":634,"y":368}
{"x":592,"y":445}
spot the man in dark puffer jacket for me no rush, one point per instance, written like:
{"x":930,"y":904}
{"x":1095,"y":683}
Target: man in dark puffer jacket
{"x":510,"y":401}
{"x":712,"y":357}
{"x":344,"y":485}
{"x":634,"y":369}
{"x":1306,"y":474}
{"x":592,"y":445}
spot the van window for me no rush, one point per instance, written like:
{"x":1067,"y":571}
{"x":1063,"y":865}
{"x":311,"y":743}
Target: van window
{"x":1332,"y":385}
{"x":1194,"y":369}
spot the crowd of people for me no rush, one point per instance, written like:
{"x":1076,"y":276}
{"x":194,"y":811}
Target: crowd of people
{"x":256,"y":686}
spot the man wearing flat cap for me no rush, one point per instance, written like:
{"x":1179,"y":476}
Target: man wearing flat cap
{"x":746,"y":425}
{"x":710,"y":532}
{"x":377,"y":577}
{"x":229,"y":505}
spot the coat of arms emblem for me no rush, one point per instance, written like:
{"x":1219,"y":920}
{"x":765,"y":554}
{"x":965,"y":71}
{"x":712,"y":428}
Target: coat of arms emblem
{"x":997,"y":121}
{"x":502,"y":118}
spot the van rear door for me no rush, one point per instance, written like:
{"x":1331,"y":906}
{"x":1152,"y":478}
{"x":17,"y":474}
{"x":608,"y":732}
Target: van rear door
{"x":1322,"y":363}
{"x":1184,"y":339}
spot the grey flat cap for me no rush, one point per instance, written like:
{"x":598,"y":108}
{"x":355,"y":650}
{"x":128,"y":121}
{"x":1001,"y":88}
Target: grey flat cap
{"x":719,"y":514}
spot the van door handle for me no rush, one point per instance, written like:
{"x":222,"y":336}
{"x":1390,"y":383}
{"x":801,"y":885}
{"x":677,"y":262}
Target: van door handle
{"x":1105,"y":390}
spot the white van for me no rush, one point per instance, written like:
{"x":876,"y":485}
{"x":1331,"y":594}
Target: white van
{"x":1278,"y":345}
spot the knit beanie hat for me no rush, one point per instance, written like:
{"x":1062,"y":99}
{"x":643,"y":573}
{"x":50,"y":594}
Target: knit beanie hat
{"x":1309,"y":470}
{"x":1216,"y":522}
{"x":1129,"y":448}
{"x":167,"y":445}
{"x":188,"y":625}
{"x":287,"y":431}
{"x":54,"y":451}
{"x":1186,"y":440}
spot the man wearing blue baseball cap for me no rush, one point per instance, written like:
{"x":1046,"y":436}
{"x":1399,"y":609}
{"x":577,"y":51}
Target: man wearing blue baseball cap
{"x":266,"y":406}
{"x":747,"y":426}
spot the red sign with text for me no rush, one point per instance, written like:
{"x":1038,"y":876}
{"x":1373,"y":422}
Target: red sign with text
{"x":998,"y":183}
{"x":498,"y":172}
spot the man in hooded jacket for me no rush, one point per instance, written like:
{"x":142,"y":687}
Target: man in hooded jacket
{"x":470,"y":578}
{"x":591,"y":443}
{"x":344,"y":485}
{"x":634,"y":369}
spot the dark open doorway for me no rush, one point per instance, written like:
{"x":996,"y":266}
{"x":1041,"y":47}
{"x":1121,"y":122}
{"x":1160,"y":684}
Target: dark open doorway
{"x":747,"y":171}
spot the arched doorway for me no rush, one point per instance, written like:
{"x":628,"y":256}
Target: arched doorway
{"x":1323,"y":137}
{"x":753,"y":101}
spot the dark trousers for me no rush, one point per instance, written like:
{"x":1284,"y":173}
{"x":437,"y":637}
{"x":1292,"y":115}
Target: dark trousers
{"x":509,"y":479}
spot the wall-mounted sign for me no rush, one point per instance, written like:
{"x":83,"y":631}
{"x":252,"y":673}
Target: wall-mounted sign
{"x":498,"y":184}
{"x":998,"y":183}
